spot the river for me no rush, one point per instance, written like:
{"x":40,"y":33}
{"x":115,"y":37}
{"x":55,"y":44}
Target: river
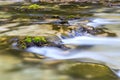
{"x":21,"y":64}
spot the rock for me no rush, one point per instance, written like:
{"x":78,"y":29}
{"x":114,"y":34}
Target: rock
{"x":84,"y":30}
{"x":90,"y":71}
{"x":38,"y":41}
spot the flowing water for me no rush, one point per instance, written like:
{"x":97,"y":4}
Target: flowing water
{"x":18,"y":64}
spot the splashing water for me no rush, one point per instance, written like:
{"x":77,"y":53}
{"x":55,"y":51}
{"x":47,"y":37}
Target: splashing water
{"x":107,"y":57}
{"x":55,"y":53}
{"x":84,"y":40}
{"x":99,"y":21}
{"x":95,"y":22}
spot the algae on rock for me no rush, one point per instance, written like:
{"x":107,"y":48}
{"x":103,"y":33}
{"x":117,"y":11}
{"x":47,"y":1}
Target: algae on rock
{"x":90,"y":71}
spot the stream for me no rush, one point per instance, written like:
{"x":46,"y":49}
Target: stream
{"x":17,"y":64}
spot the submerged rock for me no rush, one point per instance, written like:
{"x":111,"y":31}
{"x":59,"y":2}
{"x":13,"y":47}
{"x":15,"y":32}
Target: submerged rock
{"x":90,"y":71}
{"x":84,"y":30}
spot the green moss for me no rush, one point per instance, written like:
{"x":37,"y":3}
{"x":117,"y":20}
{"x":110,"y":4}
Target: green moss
{"x":28,"y":39}
{"x":22,"y":44}
{"x":35,"y":39}
{"x":23,"y":7}
{"x":71,"y":16}
{"x":32,"y":6}
{"x":39,"y":39}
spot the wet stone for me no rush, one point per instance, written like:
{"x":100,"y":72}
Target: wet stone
{"x":90,"y":71}
{"x":38,"y":41}
{"x":83,"y":30}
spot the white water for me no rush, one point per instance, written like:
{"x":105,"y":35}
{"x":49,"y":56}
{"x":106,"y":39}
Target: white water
{"x":109,"y":56}
{"x":101,"y":21}
{"x":106,"y":57}
{"x":84,"y":40}
{"x":95,"y":22}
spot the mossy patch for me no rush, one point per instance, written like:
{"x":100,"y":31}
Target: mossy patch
{"x":32,"y":41}
{"x":32,"y":7}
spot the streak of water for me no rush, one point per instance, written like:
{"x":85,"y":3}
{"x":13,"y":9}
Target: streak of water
{"x":108,"y":58}
{"x":99,"y":21}
{"x":101,"y":56}
{"x":95,"y":22}
{"x":84,"y":40}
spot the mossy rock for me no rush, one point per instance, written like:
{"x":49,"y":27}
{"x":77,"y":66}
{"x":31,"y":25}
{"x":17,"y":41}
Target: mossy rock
{"x":90,"y":71}
{"x":32,"y":7}
{"x":73,"y":17}
{"x":68,"y":6}
{"x":40,"y":41}
{"x":32,"y":41}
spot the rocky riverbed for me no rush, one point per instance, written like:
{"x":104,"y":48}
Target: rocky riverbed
{"x":51,"y":41}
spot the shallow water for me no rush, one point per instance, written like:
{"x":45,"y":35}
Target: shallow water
{"x":17,"y":64}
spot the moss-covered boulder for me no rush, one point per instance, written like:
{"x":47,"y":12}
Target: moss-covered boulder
{"x":32,"y":41}
{"x":90,"y":71}
{"x":39,"y":41}
{"x":32,"y":6}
